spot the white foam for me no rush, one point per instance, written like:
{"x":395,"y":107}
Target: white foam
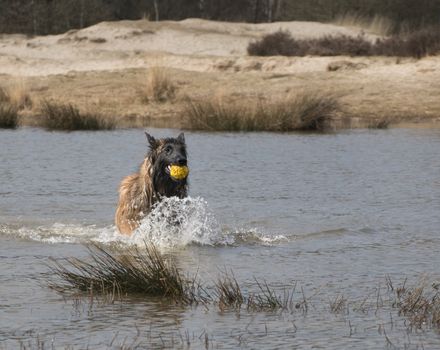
{"x":175,"y":222}
{"x":172,"y":223}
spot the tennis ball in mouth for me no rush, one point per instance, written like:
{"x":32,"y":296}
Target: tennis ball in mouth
{"x":179,"y":172}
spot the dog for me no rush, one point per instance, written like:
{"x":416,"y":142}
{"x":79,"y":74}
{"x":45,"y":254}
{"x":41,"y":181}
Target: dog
{"x":139,"y":192}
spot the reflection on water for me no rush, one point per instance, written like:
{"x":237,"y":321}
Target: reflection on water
{"x":331,"y":213}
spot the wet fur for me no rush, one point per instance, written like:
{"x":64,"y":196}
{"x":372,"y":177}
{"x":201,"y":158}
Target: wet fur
{"x":139,"y":192}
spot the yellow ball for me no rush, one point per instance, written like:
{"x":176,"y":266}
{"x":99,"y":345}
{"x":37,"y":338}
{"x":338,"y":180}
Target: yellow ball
{"x":179,"y":172}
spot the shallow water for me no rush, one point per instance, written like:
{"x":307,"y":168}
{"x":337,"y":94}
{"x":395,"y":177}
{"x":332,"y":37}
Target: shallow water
{"x":333,"y":214}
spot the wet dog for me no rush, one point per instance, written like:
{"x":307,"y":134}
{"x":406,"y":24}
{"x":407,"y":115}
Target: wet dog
{"x":156,"y":179}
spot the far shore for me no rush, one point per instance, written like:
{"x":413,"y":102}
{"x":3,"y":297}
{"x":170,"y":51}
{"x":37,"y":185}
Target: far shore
{"x":205,"y":59}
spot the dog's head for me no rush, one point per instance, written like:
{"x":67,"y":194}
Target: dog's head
{"x":169,"y":162}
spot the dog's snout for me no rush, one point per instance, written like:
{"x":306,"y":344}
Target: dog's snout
{"x":181,"y":161}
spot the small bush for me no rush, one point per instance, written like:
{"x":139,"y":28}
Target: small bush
{"x":68,"y":117}
{"x":337,"y":46}
{"x":279,"y":43}
{"x":159,"y":87}
{"x":8,"y":116}
{"x":306,"y":112}
{"x":417,"y":44}
{"x":98,"y":40}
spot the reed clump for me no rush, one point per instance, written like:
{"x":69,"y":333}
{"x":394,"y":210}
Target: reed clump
{"x":58,"y":116}
{"x":309,"y":111}
{"x":159,"y":87}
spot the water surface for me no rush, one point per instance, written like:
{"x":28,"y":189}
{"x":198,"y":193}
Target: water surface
{"x":331,"y":213}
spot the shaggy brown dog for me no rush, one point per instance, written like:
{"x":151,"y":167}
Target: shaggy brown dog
{"x":140,"y":191}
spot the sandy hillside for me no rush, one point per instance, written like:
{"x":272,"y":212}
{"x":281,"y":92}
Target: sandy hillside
{"x":104,"y":67}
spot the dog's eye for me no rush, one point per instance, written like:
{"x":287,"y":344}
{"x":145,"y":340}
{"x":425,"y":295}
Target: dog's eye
{"x":168,"y":149}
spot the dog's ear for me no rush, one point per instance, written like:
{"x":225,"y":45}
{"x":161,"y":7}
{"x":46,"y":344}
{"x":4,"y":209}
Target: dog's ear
{"x":151,"y":140}
{"x":181,"y":138}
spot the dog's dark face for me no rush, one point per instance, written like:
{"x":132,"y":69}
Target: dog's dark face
{"x":165,"y":153}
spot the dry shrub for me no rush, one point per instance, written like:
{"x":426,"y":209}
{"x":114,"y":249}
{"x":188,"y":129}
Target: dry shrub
{"x":159,"y":87}
{"x":417,"y":44}
{"x":57,"y":116}
{"x":308,"y":111}
{"x":8,"y":116}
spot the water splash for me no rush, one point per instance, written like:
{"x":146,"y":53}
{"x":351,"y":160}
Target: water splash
{"x":172,"y":223}
{"x":175,"y":222}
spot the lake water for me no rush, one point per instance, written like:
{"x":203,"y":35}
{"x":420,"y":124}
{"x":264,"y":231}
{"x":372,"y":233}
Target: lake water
{"x":333,"y":214}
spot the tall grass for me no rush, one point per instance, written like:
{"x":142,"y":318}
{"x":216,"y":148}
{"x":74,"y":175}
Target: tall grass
{"x":417,"y":44}
{"x":56,"y":116}
{"x":308,"y":111}
{"x":159,"y":86}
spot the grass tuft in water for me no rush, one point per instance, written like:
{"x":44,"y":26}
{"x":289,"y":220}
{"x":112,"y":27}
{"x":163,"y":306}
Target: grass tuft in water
{"x":228,"y":292}
{"x":338,"y":304}
{"x":308,"y":111}
{"x":268,"y":299}
{"x":56,"y":116}
{"x":420,"y":304}
{"x":144,"y":272}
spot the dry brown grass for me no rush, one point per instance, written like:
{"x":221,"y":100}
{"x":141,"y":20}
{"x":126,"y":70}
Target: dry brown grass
{"x":159,"y":87}
{"x":58,"y":116}
{"x":307,"y":111}
{"x":16,"y":95}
